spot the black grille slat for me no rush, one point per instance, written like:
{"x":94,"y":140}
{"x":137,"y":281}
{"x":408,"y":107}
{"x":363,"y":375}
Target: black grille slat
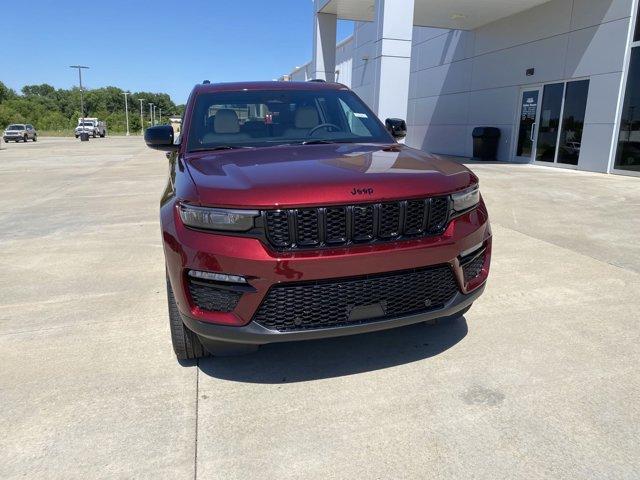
{"x":336,"y":225}
{"x":416,"y":217}
{"x":389,"y":223}
{"x":438,"y":215}
{"x":364,"y":223}
{"x":307,"y":227}
{"x":326,"y":304}
{"x":278,"y":227}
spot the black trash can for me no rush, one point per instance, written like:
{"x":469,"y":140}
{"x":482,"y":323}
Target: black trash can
{"x":84,"y":137}
{"x":485,"y":142}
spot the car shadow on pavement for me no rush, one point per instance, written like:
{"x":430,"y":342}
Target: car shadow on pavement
{"x":336,"y":357}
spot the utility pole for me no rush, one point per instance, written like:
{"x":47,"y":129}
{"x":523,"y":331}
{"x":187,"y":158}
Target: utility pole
{"x":80,"y":68}
{"x":141,"y":117}
{"x":126,"y":110}
{"x":151,"y":113}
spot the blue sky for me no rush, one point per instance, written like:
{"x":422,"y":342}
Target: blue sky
{"x":165,"y":46}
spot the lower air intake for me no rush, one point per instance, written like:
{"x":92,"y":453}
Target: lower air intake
{"x":332,"y":303}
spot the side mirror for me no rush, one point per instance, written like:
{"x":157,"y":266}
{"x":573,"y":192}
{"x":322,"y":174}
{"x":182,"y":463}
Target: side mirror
{"x":396,"y":127}
{"x":160,"y":137}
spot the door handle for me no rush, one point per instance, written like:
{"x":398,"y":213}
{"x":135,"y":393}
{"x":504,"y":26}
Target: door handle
{"x":533,"y":131}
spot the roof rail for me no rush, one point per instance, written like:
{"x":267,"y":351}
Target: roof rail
{"x":317,"y":80}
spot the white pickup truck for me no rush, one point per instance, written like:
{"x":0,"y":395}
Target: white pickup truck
{"x":92,"y":126}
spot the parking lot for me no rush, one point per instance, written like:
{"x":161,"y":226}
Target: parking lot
{"x":539,"y":380}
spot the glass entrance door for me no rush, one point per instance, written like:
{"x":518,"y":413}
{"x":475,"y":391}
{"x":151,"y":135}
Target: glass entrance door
{"x":529,"y":111}
{"x":562,"y":114}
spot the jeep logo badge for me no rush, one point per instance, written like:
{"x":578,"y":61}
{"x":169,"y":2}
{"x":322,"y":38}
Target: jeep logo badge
{"x":362,"y":191}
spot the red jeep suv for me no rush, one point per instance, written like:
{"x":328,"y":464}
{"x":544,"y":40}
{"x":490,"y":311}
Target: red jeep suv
{"x":292,"y":213}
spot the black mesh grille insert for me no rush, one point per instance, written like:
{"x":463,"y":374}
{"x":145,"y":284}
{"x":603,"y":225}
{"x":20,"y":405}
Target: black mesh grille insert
{"x":363,"y":227}
{"x":278,"y":228}
{"x":473,"y":268}
{"x":331,"y":303}
{"x":307,"y":227}
{"x":336,"y":226}
{"x":331,"y":226}
{"x":438,"y":215}
{"x":389,"y":220}
{"x":415,"y":220}
{"x":207,"y":297}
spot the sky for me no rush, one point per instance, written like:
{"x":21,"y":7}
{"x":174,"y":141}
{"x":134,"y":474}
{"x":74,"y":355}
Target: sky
{"x":158,"y":46}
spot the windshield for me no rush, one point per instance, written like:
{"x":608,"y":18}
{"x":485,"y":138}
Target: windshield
{"x":255,"y":119}
{"x":15,"y":127}
{"x":87,"y":124}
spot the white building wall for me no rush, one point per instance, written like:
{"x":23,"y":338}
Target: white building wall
{"x":344,"y":61}
{"x":301,"y":74}
{"x":362,"y":76}
{"x":461,"y":80}
{"x":344,"y":65}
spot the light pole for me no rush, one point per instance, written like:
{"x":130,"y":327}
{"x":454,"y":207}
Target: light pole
{"x":141,"y":117}
{"x":151,"y":113}
{"x":80,"y":68}
{"x":126,"y":110}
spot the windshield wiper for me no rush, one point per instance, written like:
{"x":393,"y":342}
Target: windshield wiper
{"x":323,"y":142}
{"x":219,"y":147}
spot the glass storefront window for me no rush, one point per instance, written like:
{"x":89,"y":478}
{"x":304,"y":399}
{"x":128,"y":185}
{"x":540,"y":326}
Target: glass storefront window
{"x":628,"y":154}
{"x":575,"y":106}
{"x":549,"y":122}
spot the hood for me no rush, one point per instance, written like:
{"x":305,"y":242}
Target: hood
{"x":337,"y":174}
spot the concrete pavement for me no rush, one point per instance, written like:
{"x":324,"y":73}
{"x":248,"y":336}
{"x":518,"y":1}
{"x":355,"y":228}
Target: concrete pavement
{"x":539,"y":380}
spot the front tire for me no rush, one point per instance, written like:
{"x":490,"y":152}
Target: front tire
{"x":35,"y":138}
{"x":186,"y":344}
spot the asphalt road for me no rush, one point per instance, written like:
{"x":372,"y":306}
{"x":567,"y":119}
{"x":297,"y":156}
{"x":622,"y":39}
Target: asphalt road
{"x":539,"y":380}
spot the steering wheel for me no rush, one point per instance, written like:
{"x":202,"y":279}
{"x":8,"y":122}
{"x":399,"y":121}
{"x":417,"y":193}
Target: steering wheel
{"x":322,"y":125}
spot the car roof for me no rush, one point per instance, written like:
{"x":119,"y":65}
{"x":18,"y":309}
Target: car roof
{"x":273,"y":85}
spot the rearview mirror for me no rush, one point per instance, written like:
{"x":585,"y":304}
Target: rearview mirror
{"x":160,"y":137}
{"x":396,"y":127}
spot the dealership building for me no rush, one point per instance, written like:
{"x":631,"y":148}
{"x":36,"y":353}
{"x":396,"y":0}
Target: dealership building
{"x":559,"y":78}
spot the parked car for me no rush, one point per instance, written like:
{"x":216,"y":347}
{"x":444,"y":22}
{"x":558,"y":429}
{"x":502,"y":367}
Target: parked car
{"x":292,"y":213}
{"x":20,"y":132}
{"x":92,"y":126}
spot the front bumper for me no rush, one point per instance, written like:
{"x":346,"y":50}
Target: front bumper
{"x":186,"y":249}
{"x":256,"y":334}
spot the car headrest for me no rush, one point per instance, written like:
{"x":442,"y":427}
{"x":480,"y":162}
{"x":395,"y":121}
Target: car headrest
{"x":226,"y":121}
{"x":306,"y":117}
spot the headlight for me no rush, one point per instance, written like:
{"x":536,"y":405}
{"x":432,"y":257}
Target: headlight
{"x":218,"y":218}
{"x":466,"y":199}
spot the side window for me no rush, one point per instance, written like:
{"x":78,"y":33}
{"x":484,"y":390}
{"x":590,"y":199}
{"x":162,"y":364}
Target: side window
{"x":29,"y":127}
{"x":355,"y":120}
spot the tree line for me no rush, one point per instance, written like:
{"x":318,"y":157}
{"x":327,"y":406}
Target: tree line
{"x":57,"y":110}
